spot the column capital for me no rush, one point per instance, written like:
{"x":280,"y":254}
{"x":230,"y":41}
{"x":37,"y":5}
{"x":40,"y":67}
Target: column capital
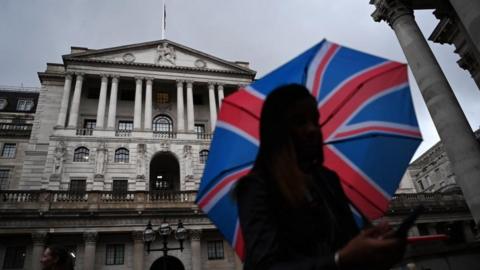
{"x":149,"y":79}
{"x":139,"y":79}
{"x":390,"y":10}
{"x":79,"y":74}
{"x":68,"y":75}
{"x":137,"y":236}
{"x":220,"y":85}
{"x":39,"y":238}
{"x":90,"y":237}
{"x":104,"y":75}
{"x":195,"y":234}
{"x":211,"y":84}
{"x":189,"y":82}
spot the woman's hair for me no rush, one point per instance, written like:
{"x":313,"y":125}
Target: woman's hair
{"x":276,"y":155}
{"x":65,"y":260}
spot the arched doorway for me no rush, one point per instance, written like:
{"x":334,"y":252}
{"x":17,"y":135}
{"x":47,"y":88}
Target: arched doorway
{"x":167,"y":263}
{"x":164,"y":172}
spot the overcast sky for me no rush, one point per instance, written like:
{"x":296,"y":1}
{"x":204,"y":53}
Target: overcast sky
{"x":266,"y":33}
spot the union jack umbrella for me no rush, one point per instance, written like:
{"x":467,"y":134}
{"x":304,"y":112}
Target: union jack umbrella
{"x":367,"y":119}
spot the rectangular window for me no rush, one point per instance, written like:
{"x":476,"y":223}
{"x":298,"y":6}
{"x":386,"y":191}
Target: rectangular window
{"x":215,"y":250}
{"x":4,"y":177}
{"x":24,"y":105}
{"x":78,"y":186}
{"x":420,"y":184}
{"x":120,"y":187}
{"x":125,"y":125}
{"x":162,"y":98}
{"x":199,"y":128}
{"x":8,"y":150}
{"x":114,"y":254}
{"x":89,"y":123}
{"x":14,"y":257}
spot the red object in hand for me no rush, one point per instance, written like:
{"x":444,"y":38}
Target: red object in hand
{"x":426,"y":238}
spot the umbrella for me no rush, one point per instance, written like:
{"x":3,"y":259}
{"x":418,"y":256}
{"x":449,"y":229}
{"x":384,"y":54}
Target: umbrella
{"x":367,"y":119}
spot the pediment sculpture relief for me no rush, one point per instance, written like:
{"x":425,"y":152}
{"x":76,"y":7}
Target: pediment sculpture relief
{"x":166,"y":53}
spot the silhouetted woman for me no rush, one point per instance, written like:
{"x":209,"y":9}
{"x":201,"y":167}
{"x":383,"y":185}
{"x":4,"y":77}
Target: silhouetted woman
{"x":293,"y":212}
{"x":56,"y":258}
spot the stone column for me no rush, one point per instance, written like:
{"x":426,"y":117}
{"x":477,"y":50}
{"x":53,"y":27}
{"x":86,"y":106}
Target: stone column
{"x":137,"y":117}
{"x":462,"y":149}
{"x":190,"y":113}
{"x":73,"y":117}
{"x":220,"y":94}
{"x":196,"y":249}
{"x":138,"y":250}
{"x":62,"y":115}
{"x":102,"y":100}
{"x":148,"y":105}
{"x":238,"y":262}
{"x":213,"y":106}
{"x":90,"y":239}
{"x":112,"y":106}
{"x":180,"y":109}
{"x":38,"y":239}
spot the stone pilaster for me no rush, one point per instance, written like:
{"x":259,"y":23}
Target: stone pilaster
{"x":220,"y":94}
{"x":190,"y":112}
{"x":38,"y":240}
{"x":213,"y":106}
{"x":102,"y":100}
{"x":73,"y":117}
{"x":195,"y":236}
{"x":180,"y":108}
{"x":112,"y":107}
{"x":460,"y":144}
{"x":90,"y":239}
{"x":137,"y":117}
{"x":138,"y":250}
{"x":62,"y":115}
{"x":148,"y":105}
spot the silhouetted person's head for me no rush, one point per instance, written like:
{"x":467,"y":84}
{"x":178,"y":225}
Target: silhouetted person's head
{"x":290,"y":138}
{"x":56,"y":258}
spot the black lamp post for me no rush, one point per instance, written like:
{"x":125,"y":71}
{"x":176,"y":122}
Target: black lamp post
{"x":165,"y":230}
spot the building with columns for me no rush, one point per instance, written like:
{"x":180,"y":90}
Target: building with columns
{"x":119,"y":138}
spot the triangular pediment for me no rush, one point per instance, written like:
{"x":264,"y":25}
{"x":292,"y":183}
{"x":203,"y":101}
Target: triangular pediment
{"x":162,"y":53}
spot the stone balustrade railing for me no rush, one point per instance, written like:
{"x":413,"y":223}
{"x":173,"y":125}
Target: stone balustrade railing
{"x":44,"y":200}
{"x":15,"y":130}
{"x":432,"y":201}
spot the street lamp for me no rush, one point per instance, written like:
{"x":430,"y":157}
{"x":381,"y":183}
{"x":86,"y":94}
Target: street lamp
{"x":164,"y":231}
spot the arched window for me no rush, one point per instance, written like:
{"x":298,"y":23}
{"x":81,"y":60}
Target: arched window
{"x":203,"y":156}
{"x":81,"y":154}
{"x":122,"y":155}
{"x":162,"y":123}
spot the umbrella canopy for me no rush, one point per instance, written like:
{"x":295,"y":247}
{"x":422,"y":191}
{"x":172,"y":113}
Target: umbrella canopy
{"x":367,"y":119}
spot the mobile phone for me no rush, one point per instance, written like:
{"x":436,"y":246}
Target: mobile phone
{"x":409,"y":221}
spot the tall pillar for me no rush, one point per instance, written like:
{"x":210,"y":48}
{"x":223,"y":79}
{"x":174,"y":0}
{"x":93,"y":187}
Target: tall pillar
{"x":213,"y":106}
{"x":73,"y":117}
{"x":180,"y":109}
{"x":38,"y":239}
{"x":62,"y":115}
{"x":90,"y":239}
{"x":112,"y":106}
{"x":102,"y":100}
{"x":220,"y":94}
{"x":196,"y":249}
{"x":137,"y":117}
{"x":238,"y":262}
{"x":462,"y":149}
{"x":138,"y":250}
{"x":148,"y":105}
{"x":190,"y":113}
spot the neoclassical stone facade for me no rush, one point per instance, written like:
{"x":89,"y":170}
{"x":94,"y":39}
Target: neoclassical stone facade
{"x":120,"y":138}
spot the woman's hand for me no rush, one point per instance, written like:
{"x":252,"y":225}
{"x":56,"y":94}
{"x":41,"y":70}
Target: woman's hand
{"x":373,"y":248}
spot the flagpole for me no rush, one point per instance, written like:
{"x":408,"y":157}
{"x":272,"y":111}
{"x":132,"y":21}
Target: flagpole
{"x":163,"y":19}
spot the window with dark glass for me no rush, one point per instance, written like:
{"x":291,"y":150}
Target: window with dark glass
{"x":127,"y":94}
{"x":89,"y":123}
{"x":14,"y":257}
{"x":198,"y":99}
{"x":8,"y":150}
{"x":78,"y":186}
{"x":24,"y":105}
{"x":122,"y":155}
{"x":4,"y":177}
{"x":93,"y":93}
{"x":215,"y":250}
{"x":115,"y":254}
{"x":125,"y":125}
{"x":199,"y":128}
{"x":203,"y":156}
{"x":120,"y":187}
{"x":81,"y":154}
{"x":162,"y":98}
{"x":162,"y":123}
